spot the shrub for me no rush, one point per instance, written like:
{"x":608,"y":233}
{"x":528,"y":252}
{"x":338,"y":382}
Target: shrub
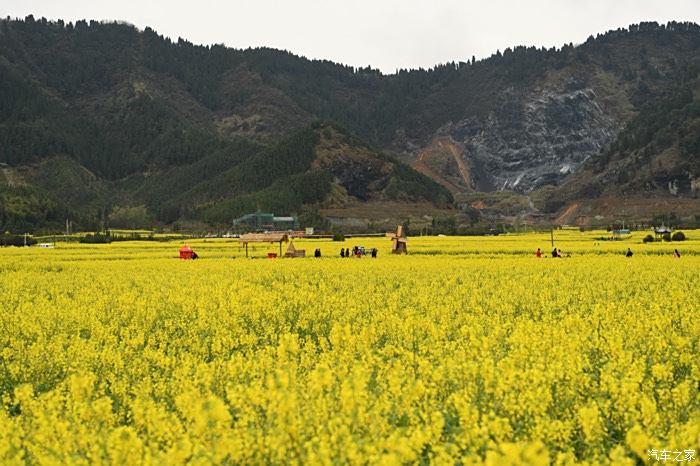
{"x":678,"y":236}
{"x":97,"y":238}
{"x":667,"y":237}
{"x":648,"y":239}
{"x":338,"y":237}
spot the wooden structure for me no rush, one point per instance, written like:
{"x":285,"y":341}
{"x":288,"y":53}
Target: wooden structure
{"x":294,"y":252}
{"x":263,"y":238}
{"x":398,"y":241}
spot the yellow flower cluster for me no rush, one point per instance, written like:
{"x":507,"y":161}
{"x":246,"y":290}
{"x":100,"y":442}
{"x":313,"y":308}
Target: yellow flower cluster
{"x":468,"y":351}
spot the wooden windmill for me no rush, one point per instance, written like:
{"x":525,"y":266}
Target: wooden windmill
{"x":398,"y":241}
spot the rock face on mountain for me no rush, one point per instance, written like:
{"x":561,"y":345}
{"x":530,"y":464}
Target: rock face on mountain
{"x":534,"y":139}
{"x":656,"y":154}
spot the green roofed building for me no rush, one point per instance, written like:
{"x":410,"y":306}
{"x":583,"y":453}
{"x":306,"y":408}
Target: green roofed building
{"x":263,"y":221}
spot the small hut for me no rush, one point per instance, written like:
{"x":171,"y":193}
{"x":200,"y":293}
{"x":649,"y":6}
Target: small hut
{"x":398,"y":241}
{"x":294,"y":252}
{"x":263,"y":238}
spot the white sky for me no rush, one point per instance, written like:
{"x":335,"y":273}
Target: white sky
{"x":386,"y":34}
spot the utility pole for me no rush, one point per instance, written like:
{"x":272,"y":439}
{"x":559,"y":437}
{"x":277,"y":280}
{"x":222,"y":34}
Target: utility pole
{"x":552,"y":235}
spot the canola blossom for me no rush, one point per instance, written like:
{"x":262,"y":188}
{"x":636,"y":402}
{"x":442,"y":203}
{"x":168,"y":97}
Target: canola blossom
{"x":467,"y":351}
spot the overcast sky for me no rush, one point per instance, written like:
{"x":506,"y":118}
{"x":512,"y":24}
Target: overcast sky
{"x":386,"y":34}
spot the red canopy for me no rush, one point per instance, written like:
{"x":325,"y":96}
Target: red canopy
{"x":186,"y":252}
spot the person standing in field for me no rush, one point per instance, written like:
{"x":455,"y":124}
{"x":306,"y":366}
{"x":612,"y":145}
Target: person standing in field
{"x":342,"y":252}
{"x":629,"y":253}
{"x":676,"y":254}
{"x":555,"y":253}
{"x":538,"y":253}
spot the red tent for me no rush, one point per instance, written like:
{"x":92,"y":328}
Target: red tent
{"x":186,"y":252}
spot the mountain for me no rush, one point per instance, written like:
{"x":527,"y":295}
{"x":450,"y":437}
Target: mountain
{"x":103,"y":121}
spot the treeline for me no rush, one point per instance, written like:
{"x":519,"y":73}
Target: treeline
{"x":109,"y":237}
{"x":89,"y":57}
{"x":75,"y":59}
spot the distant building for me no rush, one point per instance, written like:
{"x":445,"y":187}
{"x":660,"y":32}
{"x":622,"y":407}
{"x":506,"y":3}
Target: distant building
{"x":263,"y":221}
{"x":620,"y":233}
{"x":661,"y":231}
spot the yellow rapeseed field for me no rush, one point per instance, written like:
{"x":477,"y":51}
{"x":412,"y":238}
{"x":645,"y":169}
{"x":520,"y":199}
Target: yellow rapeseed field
{"x":467,"y":351}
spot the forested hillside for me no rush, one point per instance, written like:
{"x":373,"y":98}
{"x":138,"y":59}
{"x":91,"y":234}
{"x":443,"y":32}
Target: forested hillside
{"x":98,"y":118}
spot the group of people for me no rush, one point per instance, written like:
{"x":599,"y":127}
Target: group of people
{"x":557,"y":253}
{"x":357,"y":252}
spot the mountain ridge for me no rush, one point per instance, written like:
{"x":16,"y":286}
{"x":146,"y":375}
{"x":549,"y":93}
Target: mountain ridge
{"x":131,"y":107}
